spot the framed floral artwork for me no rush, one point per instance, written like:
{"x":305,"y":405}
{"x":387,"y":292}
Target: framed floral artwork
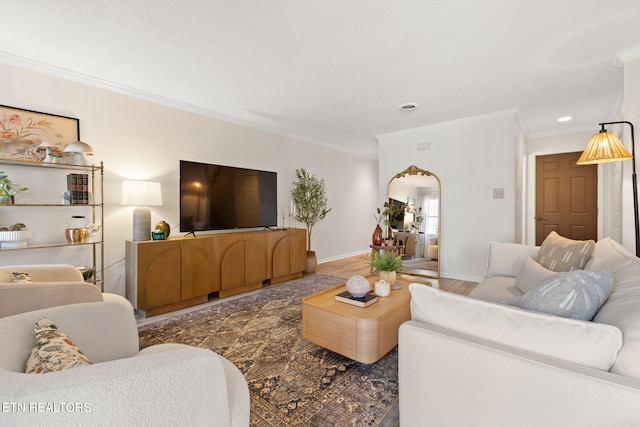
{"x":24,"y":134}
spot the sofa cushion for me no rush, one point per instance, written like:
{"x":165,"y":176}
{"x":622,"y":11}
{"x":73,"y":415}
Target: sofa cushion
{"x":54,"y":350}
{"x":587,"y":343}
{"x":505,"y":259}
{"x":575,"y":294}
{"x":532,"y":274}
{"x":558,"y":253}
{"x":496,"y":288}
{"x":609,"y":255}
{"x":621,"y":310}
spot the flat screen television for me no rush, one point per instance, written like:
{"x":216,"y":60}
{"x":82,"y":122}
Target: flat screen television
{"x":215,"y":197}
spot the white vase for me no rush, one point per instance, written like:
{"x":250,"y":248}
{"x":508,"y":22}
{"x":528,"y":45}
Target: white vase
{"x":358,"y":286}
{"x":390,"y":277}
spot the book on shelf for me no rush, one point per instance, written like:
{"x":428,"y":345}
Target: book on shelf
{"x":85,"y":189}
{"x":364,"y":301}
{"x":78,"y":187}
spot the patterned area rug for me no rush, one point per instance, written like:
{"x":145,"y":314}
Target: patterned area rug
{"x":292,"y":382}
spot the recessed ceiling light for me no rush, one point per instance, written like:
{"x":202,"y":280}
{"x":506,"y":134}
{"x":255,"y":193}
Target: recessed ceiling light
{"x":565,"y":119}
{"x":408,"y":106}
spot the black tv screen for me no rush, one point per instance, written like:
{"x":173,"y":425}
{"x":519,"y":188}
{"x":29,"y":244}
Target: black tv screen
{"x":214,"y":197}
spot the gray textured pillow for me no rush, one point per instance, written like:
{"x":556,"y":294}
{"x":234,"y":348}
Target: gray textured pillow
{"x":576,"y":294}
{"x":558,"y":253}
{"x":531,"y":275}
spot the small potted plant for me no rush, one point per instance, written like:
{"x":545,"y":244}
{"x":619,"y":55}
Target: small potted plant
{"x":8,"y":189}
{"x":387,"y":264}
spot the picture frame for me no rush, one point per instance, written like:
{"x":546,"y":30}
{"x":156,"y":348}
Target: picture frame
{"x":23,"y":132}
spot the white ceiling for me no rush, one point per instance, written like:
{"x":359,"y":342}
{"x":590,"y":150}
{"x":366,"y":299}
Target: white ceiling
{"x":336,"y":71}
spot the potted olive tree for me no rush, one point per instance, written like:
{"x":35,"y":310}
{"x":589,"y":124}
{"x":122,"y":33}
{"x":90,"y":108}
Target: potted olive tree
{"x":310,"y":202}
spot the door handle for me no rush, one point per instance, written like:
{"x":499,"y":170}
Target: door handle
{"x":539,"y":218}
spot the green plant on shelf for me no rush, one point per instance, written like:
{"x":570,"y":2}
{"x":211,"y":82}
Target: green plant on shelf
{"x":9,"y":188}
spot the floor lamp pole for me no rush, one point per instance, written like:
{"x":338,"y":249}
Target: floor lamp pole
{"x":635,"y":183}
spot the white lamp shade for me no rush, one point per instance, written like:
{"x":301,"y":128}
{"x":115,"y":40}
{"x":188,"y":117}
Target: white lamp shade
{"x":141,"y":193}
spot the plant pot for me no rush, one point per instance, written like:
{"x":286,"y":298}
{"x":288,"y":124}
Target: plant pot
{"x":389,"y":277}
{"x":6,"y":200}
{"x":312,"y":262}
{"x":377,"y":238}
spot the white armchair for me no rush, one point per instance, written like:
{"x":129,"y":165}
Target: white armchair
{"x":168,"y":384}
{"x":52,"y":285}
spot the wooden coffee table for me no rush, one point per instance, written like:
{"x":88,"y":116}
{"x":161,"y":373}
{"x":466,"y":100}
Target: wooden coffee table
{"x":361,"y":334}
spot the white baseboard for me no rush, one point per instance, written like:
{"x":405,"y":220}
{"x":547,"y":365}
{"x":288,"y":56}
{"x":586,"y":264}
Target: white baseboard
{"x":343,"y":256}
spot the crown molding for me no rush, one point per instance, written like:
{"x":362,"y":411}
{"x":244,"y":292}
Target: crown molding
{"x":89,"y":80}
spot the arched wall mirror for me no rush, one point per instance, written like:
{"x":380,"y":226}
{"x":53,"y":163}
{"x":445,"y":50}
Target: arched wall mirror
{"x":416,"y":193}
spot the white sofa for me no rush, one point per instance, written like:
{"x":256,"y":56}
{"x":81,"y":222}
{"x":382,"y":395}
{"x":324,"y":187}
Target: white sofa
{"x":52,"y":285}
{"x":168,"y":384}
{"x":469,"y":361}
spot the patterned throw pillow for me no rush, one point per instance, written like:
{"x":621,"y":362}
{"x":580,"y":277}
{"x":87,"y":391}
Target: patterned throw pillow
{"x":558,"y":253}
{"x":54,"y":350}
{"x":18,"y":277}
{"x":575,"y":295}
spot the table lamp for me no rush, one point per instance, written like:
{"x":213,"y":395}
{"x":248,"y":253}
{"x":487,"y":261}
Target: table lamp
{"x":141,"y":194}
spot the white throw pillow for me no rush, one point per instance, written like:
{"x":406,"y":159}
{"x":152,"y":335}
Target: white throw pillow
{"x":609,"y":255}
{"x":532,"y":274}
{"x":575,"y":294}
{"x":586,"y":343}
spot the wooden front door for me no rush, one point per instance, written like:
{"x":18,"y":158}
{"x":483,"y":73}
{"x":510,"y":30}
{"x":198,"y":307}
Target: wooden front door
{"x":566,"y":197}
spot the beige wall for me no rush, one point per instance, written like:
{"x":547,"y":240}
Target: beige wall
{"x":470,"y":157}
{"x":138,"y":139}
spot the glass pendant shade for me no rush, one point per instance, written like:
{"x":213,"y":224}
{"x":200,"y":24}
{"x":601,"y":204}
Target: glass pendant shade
{"x":604,"y":147}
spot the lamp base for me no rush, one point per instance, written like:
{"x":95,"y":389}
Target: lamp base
{"x":141,"y":224}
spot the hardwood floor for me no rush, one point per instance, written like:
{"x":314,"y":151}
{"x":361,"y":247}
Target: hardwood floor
{"x":359,"y":264}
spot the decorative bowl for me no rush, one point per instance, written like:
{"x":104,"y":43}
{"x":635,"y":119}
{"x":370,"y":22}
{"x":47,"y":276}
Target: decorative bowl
{"x":76,"y":235}
{"x":14,"y":239}
{"x":358,"y":286}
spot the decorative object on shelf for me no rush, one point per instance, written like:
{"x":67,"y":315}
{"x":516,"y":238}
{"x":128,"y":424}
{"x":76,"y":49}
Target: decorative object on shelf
{"x":605,"y":147}
{"x":358,"y":286}
{"x":382,"y":288}
{"x":80,"y":152}
{"x":387,"y":264}
{"x":23,"y":131}
{"x":77,"y":230}
{"x":8,"y":189}
{"x":52,"y":153}
{"x":163,"y":230}
{"x":14,"y":236}
{"x":87,"y":272}
{"x":141,"y":194}
{"x":310,"y":205}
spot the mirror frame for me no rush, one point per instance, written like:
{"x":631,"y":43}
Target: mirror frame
{"x":414,"y":170}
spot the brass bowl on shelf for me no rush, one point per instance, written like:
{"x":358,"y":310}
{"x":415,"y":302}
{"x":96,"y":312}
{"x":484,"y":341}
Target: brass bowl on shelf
{"x":76,"y":235}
